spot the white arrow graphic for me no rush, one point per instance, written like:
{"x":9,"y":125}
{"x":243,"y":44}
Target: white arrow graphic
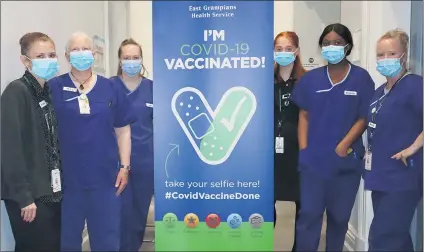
{"x":177,"y":147}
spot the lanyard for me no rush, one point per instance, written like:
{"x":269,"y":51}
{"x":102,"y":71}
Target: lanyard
{"x":282,"y":107}
{"x":47,"y":114}
{"x":377,"y":107}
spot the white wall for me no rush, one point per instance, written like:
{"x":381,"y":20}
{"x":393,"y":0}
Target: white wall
{"x":283,"y":16}
{"x":310,"y":19}
{"x":141,"y":29}
{"x":383,"y":16}
{"x":57,"y":19}
{"x":118,"y":31}
{"x":373,"y":18}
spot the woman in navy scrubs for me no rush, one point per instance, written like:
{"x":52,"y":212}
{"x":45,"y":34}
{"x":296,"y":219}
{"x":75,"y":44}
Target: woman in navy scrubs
{"x":333,"y":102}
{"x":288,"y":70}
{"x":393,"y":161}
{"x":95,"y":140}
{"x":138,"y":194}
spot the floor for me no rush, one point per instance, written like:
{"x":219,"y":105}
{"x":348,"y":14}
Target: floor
{"x":283,"y":235}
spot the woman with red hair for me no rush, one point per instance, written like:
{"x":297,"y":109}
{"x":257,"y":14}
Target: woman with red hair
{"x":288,"y":69}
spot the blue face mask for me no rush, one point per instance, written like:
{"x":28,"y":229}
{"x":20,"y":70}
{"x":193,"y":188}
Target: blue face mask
{"x":44,"y":68}
{"x":333,"y":54}
{"x":284,"y":58}
{"x":81,"y":60}
{"x":131,"y":67}
{"x":389,"y":67}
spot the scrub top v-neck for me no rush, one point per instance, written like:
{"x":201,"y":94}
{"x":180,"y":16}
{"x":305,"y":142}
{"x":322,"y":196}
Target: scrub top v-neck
{"x":89,"y":149}
{"x":396,"y":125}
{"x":141,"y":100}
{"x":333,"y":108}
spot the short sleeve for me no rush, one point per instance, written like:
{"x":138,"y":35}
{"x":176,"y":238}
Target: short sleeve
{"x":365,"y":95}
{"x":300,"y":94}
{"x":124,"y":112}
{"x":54,"y":89}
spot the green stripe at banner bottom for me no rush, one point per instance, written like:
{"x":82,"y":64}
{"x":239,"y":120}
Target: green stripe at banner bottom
{"x":179,"y":237}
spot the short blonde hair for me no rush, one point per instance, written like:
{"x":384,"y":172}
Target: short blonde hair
{"x":400,"y":35}
{"x":78,"y":34}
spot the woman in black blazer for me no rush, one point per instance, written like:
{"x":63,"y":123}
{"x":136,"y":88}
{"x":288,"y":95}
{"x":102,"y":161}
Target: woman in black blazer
{"x":30,"y":164}
{"x":288,"y":69}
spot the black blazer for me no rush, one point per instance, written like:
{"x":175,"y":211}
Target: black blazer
{"x":24,"y":172}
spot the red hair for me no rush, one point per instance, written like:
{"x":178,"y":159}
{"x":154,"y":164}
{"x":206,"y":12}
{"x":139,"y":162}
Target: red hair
{"x":298,"y":69}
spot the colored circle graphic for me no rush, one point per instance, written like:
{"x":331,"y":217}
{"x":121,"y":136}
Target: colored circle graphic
{"x":170,"y":220}
{"x":191,"y":220}
{"x":256,"y":220}
{"x":212,"y":220}
{"x":234,"y":220}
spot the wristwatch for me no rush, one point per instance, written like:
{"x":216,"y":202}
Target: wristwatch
{"x":128,"y":167}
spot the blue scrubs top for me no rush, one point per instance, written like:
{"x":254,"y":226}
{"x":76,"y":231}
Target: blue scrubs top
{"x":141,"y":100}
{"x":88,"y":144}
{"x":332,"y":111}
{"x":398,"y":122}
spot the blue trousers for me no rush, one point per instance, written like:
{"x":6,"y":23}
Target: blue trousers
{"x":390,"y":227}
{"x":336,"y":195}
{"x":136,"y":200}
{"x":101,"y":208}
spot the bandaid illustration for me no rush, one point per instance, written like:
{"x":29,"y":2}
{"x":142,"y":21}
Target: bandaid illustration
{"x":213,"y":134}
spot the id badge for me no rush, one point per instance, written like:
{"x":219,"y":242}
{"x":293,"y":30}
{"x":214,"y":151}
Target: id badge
{"x":84,"y":105}
{"x":279,"y":145}
{"x":56,"y":183}
{"x":368,"y":161}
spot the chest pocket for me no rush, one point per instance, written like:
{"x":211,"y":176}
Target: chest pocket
{"x":346,"y":100}
{"x":149,"y":109}
{"x":144,"y":110}
{"x":394,"y":109}
{"x":101,"y":106}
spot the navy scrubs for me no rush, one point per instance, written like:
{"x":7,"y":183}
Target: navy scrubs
{"x":328,"y":181}
{"x":139,"y":191}
{"x":90,"y":157}
{"x":395,"y":121}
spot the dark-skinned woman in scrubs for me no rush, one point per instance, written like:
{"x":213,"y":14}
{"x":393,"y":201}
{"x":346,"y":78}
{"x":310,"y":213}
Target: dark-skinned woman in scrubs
{"x":288,"y":70}
{"x":138,"y":194}
{"x":94,"y":118}
{"x":393,"y":161}
{"x":333,"y":102}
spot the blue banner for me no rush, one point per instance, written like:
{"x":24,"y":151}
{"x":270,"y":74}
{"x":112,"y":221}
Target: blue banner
{"x":213,"y":125}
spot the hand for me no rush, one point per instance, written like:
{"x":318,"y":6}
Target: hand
{"x":301,"y":148}
{"x":341,"y":150}
{"x":403,"y":155}
{"x":28,"y":213}
{"x":121,"y":180}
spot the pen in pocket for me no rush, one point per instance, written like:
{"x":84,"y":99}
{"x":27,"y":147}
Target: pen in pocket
{"x":351,"y":152}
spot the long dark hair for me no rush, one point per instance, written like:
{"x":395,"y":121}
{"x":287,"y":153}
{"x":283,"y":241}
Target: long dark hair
{"x":298,"y":69}
{"x":130,"y":41}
